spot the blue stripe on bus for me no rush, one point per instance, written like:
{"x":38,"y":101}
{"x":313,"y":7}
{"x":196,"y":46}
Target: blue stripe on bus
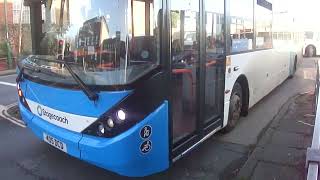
{"x":73,"y":101}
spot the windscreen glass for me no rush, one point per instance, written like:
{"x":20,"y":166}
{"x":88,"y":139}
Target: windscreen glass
{"x":109,"y":42}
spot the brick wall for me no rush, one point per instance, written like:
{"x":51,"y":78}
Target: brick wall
{"x":9,"y":14}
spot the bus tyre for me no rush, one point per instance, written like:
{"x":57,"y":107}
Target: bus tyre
{"x":294,"y":68}
{"x":311,"y":51}
{"x":234,"y":107}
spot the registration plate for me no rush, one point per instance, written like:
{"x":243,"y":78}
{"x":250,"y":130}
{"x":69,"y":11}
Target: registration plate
{"x":55,"y":142}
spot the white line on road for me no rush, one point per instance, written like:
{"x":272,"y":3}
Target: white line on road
{"x":6,"y":116}
{"x":7,"y":84}
{"x":6,"y":76}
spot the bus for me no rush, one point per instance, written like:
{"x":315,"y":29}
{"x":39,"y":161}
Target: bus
{"x":142,"y":83}
{"x":311,"y":44}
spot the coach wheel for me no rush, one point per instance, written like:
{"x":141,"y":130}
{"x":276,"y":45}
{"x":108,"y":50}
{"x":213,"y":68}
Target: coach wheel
{"x":234,"y":107}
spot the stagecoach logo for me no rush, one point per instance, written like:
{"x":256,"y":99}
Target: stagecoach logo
{"x":42,"y":112}
{"x":39,"y":109}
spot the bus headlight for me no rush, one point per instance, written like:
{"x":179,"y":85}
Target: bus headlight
{"x":121,"y":115}
{"x":126,"y":114}
{"x":101,"y":129}
{"x":110,"y":123}
{"x":104,"y":127}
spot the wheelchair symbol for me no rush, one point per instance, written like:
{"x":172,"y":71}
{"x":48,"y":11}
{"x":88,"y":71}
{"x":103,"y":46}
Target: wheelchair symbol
{"x":146,"y":146}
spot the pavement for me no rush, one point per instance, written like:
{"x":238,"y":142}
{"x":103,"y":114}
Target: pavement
{"x":280,"y":153}
{"x":7,"y":72}
{"x":222,"y":157}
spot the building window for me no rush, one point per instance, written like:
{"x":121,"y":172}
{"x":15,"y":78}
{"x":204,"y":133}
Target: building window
{"x":16,"y":13}
{"x":275,"y":35}
{"x":263,"y":27}
{"x":241,"y":27}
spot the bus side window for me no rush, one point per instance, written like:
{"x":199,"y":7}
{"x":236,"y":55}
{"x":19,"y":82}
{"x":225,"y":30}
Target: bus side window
{"x":241,"y":26}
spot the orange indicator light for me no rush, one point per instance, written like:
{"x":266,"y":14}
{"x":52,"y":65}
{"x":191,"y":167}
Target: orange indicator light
{"x":20,"y":93}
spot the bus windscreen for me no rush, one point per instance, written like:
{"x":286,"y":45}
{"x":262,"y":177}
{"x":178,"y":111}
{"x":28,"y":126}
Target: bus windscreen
{"x":111,"y":42}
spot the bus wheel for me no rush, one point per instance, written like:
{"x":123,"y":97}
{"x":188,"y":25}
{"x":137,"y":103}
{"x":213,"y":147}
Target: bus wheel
{"x":234,"y":107}
{"x":294,"y":68}
{"x":311,"y":51}
{"x":295,"y":64}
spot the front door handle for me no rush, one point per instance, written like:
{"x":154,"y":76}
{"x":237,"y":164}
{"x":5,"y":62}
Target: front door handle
{"x":236,"y":68}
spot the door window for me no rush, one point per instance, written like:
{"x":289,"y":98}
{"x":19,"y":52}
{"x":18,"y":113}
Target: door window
{"x":215,"y":48}
{"x":185,"y":66}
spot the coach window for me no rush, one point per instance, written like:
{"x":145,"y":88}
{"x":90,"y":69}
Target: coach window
{"x":263,"y":14}
{"x":241,"y":27}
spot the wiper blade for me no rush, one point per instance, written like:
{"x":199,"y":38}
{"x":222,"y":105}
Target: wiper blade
{"x":87,"y":91}
{"x":91,"y":95}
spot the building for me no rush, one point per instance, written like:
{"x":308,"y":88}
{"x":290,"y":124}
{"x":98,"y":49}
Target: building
{"x":9,"y":12}
{"x":16,"y":10}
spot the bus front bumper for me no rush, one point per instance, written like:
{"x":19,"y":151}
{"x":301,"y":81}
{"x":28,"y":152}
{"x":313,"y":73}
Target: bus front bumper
{"x":121,"y":154}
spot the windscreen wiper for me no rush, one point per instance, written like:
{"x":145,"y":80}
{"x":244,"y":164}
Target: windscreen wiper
{"x":87,"y":91}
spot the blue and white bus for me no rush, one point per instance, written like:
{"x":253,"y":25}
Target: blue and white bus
{"x":134,"y":85}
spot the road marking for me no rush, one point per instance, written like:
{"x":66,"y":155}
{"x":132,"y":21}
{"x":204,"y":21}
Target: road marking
{"x":1,"y":77}
{"x":6,"y":116}
{"x":8,"y":84}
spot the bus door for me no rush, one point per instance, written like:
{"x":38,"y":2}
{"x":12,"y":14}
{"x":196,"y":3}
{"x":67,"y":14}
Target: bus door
{"x":185,"y":68}
{"x":214,"y":64}
{"x":197,"y":71}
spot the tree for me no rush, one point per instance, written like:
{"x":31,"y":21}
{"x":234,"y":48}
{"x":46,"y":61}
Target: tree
{"x":3,"y":50}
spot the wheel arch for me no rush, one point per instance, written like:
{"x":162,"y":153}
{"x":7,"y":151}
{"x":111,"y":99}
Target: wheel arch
{"x":310,"y":45}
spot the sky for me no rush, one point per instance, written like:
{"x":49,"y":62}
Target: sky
{"x":305,"y":12}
